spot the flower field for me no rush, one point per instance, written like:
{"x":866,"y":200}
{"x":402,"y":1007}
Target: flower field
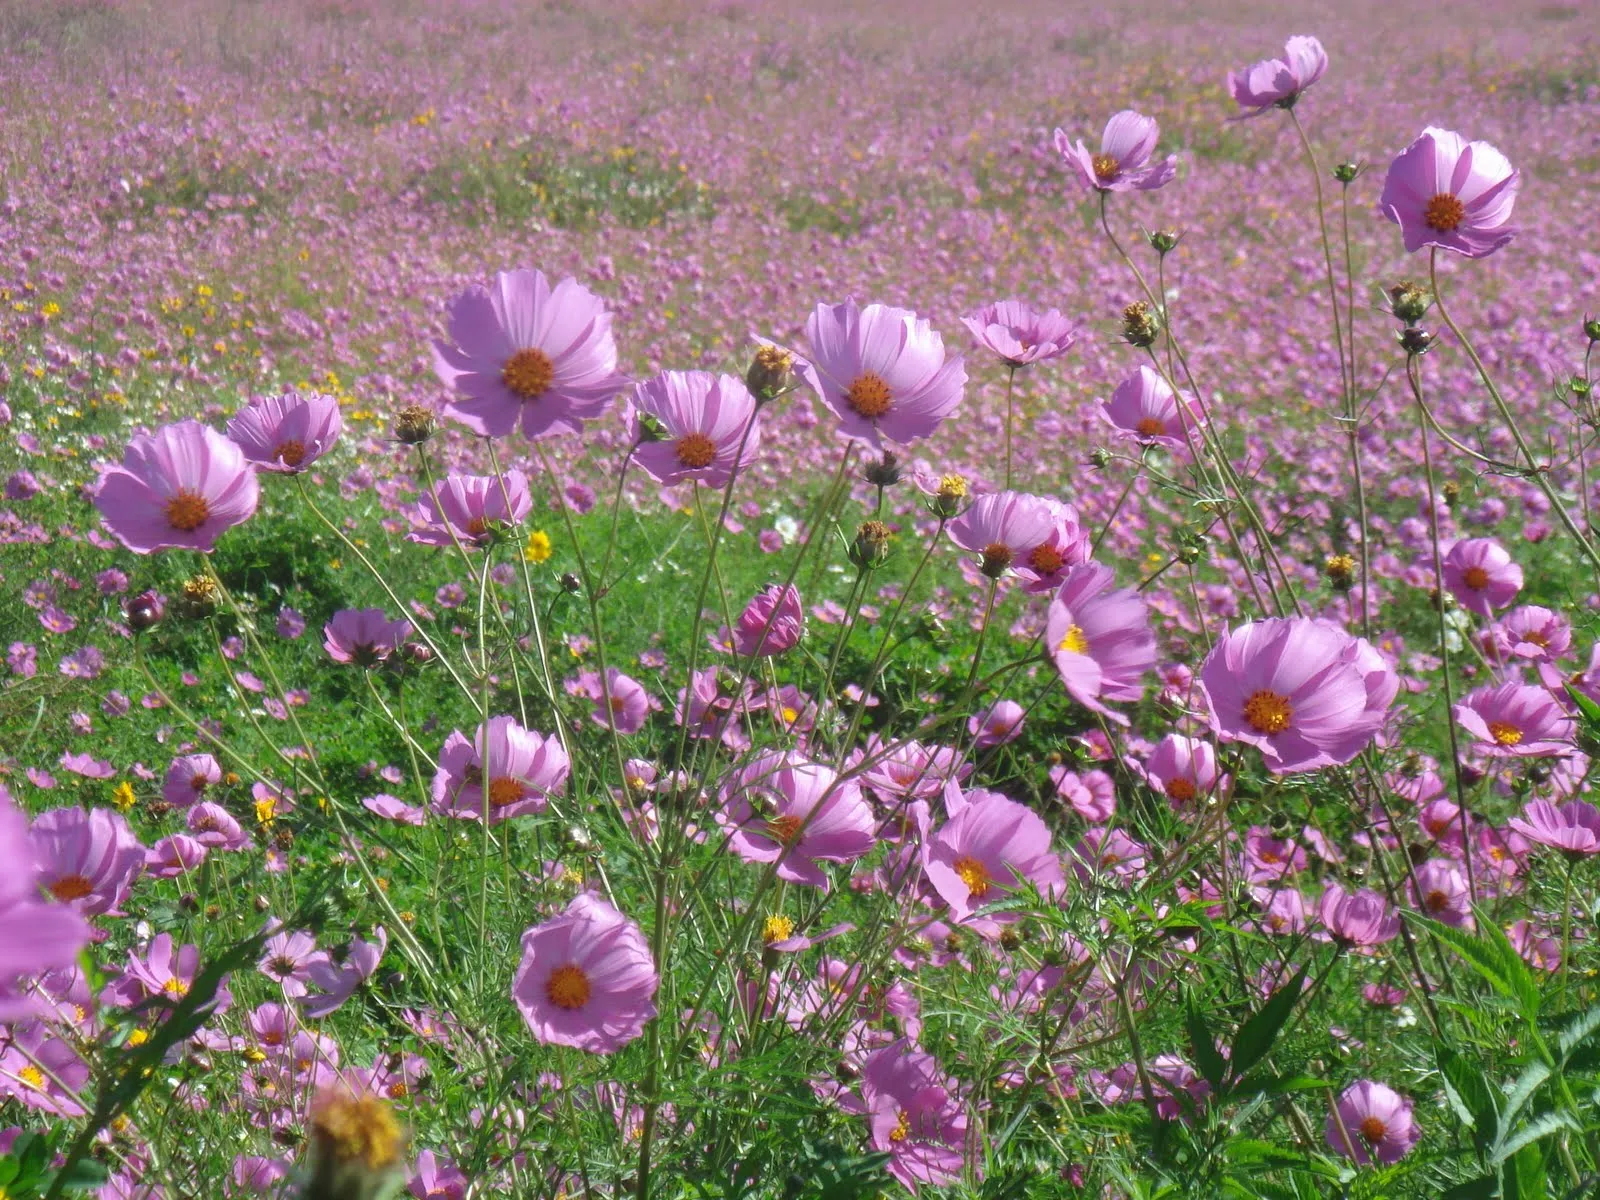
{"x":647,"y":599}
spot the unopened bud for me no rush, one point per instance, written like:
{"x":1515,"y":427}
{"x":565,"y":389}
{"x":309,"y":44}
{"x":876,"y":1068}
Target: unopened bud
{"x":145,"y":611}
{"x":1100,"y":457}
{"x":571,"y":583}
{"x":1340,"y":570}
{"x":771,"y":373}
{"x":1164,"y":241}
{"x":885,"y":472}
{"x":951,"y":498}
{"x":1140,"y":326}
{"x":413,"y":425}
{"x":871,"y":547}
{"x":416,"y":654}
{"x":1346,"y":172}
{"x":1415,"y":341}
{"x":1591,"y":328}
{"x":1409,"y":302}
{"x":198,"y":599}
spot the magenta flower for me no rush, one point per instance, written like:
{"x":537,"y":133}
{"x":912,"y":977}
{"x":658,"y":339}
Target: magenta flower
{"x":471,"y":507}
{"x":915,"y":1114}
{"x":690,"y":425}
{"x":1372,"y":1123}
{"x":1515,"y":720}
{"x":1144,"y":408}
{"x":1279,"y":81}
{"x":771,"y":623}
{"x":287,"y":433}
{"x":87,"y":860}
{"x":42,"y":1071}
{"x":506,"y":769}
{"x":174,"y":855}
{"x":215,"y":828}
{"x":188,"y":777}
{"x":1573,"y":829}
{"x":586,"y":978}
{"x":1124,"y":163}
{"x":1182,"y":768}
{"x":1003,"y":528}
{"x":1092,"y":795}
{"x":364,"y":637}
{"x":1021,"y":335}
{"x":288,"y":958}
{"x":1295,"y":689}
{"x":985,"y":851}
{"x":628,"y":707}
{"x":780,"y":808}
{"x":1361,"y":918}
{"x":1481,"y":576}
{"x":177,"y":489}
{"x":909,"y":770}
{"x":35,"y":935}
{"x":998,"y":724}
{"x":883,"y":372}
{"x":437,"y":1179}
{"x":165,"y":970}
{"x":526,"y":353}
{"x":1440,"y":889}
{"x":1530,"y":632}
{"x":1098,"y":635}
{"x":340,"y":980}
{"x":1447,"y":192}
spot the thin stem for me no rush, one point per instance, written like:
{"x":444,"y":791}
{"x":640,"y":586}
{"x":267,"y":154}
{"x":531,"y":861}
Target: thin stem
{"x":1011,"y":379}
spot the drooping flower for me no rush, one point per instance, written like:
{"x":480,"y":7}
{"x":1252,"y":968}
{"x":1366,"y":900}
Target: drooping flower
{"x":35,"y":935}
{"x":586,"y":978}
{"x":363,"y":637}
{"x":1515,"y":720}
{"x":1144,"y":408}
{"x":1296,"y":689}
{"x":770,"y":624}
{"x":1573,"y":828}
{"x":87,"y":860}
{"x":986,"y":851}
{"x":177,"y":489}
{"x":1372,"y":1122}
{"x":1124,"y":162}
{"x":1481,"y":575}
{"x":916,"y":1115}
{"x":1183,"y":768}
{"x":287,"y":433}
{"x":470,"y":507}
{"x":693,"y":425}
{"x":883,"y":371}
{"x":188,"y":778}
{"x":781,"y":808}
{"x":527,"y":354}
{"x":1021,"y":335}
{"x":506,"y":769}
{"x":1098,"y":635}
{"x":1278,"y":82}
{"x":1360,"y":918}
{"x":1447,"y":192}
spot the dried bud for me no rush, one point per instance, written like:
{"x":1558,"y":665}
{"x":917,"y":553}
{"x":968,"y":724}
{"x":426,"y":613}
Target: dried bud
{"x":1409,"y":302}
{"x":145,"y":611}
{"x":997,"y":557}
{"x":951,"y":498}
{"x":413,"y":424}
{"x":871,"y":547}
{"x":1415,"y":341}
{"x":571,"y":583}
{"x":1452,"y":492}
{"x":1346,"y":172}
{"x":1340,"y":570}
{"x":771,"y":373}
{"x":1139,"y":325}
{"x":1164,"y":241}
{"x":885,"y":472}
{"x":199,"y":597}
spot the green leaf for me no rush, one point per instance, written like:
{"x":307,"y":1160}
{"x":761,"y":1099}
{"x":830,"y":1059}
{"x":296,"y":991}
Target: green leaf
{"x":1521,"y":1092}
{"x":1471,"y":1093}
{"x":1524,"y":1176}
{"x":1261,"y":1028}
{"x":1586,"y":706}
{"x":1203,"y":1046}
{"x":1541,"y":1126}
{"x":1491,"y":954}
{"x":1278,"y":1085}
{"x":1485,"y":1187}
{"x":1578,"y":1031}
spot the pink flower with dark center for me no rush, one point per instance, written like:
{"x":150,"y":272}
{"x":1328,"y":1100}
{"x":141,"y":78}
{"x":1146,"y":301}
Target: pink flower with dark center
{"x":1481,"y":576}
{"x":1092,"y":794}
{"x":1004,"y":529}
{"x":1144,"y":408}
{"x":1360,"y":918}
{"x":1440,"y":889}
{"x":771,"y":623}
{"x":340,"y":979}
{"x":781,"y":808}
{"x":996,"y":725}
{"x":1107,"y":853}
{"x":911,"y":770}
{"x":288,"y":958}
{"x":985,"y":851}
{"x":1573,"y":828}
{"x":188,"y":779}
{"x":693,"y":425}
{"x":471,"y":508}
{"x":628,"y":705}
{"x":1446,"y":192}
{"x":1021,"y":335}
{"x":1515,"y":720}
{"x":1278,"y":82}
{"x":1184,"y":769}
{"x":87,"y":860}
{"x":177,"y":489}
{"x":287,"y":433}
{"x":36,"y":935}
{"x":1371,"y":1123}
{"x":586,"y":978}
{"x":1124,"y":161}
{"x":1098,"y":635}
{"x":437,"y":1179}
{"x":363,"y":637}
{"x":506,"y":770}
{"x":1531,"y":632}
{"x":215,"y":828}
{"x":173,"y":856}
{"x":527,"y":354}
{"x":916,"y":1116}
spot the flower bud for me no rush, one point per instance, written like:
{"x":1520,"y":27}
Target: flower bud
{"x":951,"y":498}
{"x":885,"y":472}
{"x":1580,"y":387}
{"x":1340,"y":570}
{"x":871,"y":547}
{"x":1164,"y":241}
{"x":145,"y":611}
{"x":1100,"y":457}
{"x":198,"y":599}
{"x":997,"y":558}
{"x":1346,"y":172}
{"x":1409,"y":302}
{"x":416,"y":654}
{"x":771,"y":373}
{"x":413,"y":425}
{"x":1591,"y":328}
{"x":570,"y":583}
{"x":1451,"y":492}
{"x":1415,"y":341}
{"x":1140,"y":326}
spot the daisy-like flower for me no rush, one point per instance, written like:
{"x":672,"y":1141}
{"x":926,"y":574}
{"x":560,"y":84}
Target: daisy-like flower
{"x":1573,"y":828}
{"x":1278,"y":82}
{"x":770,"y":624}
{"x":1124,"y":162}
{"x":586,"y":978}
{"x":507,"y":769}
{"x":471,"y":507}
{"x":882,"y":370}
{"x":1184,"y":769}
{"x":42,"y":1071}
{"x":1530,"y":632}
{"x":87,"y":860}
{"x":188,"y":778}
{"x":1447,"y":192}
{"x":340,"y":980}
{"x":1144,"y":408}
{"x":1098,"y":636}
{"x":1515,"y":720}
{"x":781,"y":808}
{"x":1021,"y":335}
{"x":1361,"y":918}
{"x":1003,"y":529}
{"x":287,"y":433}
{"x":177,"y":489}
{"x":916,"y":1115}
{"x":986,"y":850}
{"x":689,"y":425}
{"x":1481,"y":575}
{"x":363,"y":637}
{"x":288,"y":958}
{"x":1441,"y":890}
{"x":1372,"y":1123}
{"x":524,"y":353}
{"x":628,"y":705}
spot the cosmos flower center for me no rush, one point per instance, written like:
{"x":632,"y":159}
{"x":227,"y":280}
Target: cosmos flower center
{"x":32,"y":1076}
{"x":869,"y":395}
{"x":1534,"y":638}
{"x":478,"y":526}
{"x":528,"y":373}
{"x":1444,"y":213}
{"x":997,"y":557}
{"x":1181,"y":790}
{"x":175,"y":987}
{"x":1435,"y":900}
{"x":1073,"y":640}
{"x":975,"y":875}
{"x":1105,"y":166}
{"x":785,"y":829}
{"x":282,"y":965}
{"x":71,"y":887}
{"x":1475,"y":578}
{"x":902,"y":1127}
{"x":1150,"y":426}
{"x":567,"y":987}
{"x":199,"y":782}
{"x":206,"y":824}
{"x":1046,"y":560}
{"x":1268,"y":712}
{"x":351,"y":1129}
{"x":187,"y":510}
{"x":695,"y":451}
{"x":790,"y":715}
{"x":1505,"y":733}
{"x":504,"y":791}
{"x":777,"y":928}
{"x":291,"y":453}
{"x":952,"y":487}
{"x":398,"y":1090}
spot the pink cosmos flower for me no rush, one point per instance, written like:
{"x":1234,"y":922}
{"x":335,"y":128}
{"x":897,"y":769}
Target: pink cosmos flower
{"x":526,"y":353}
{"x":470,"y":506}
{"x":1144,"y":408}
{"x":1092,"y":795}
{"x":996,"y":725}
{"x":1004,"y":529}
{"x":883,"y":372}
{"x":175,"y":855}
{"x":1021,"y":335}
{"x":586,"y":978}
{"x":164,"y":970}
{"x":1278,"y":82}
{"x":288,"y":957}
{"x":287,"y":433}
{"x":1481,"y":576}
{"x":771,"y":623}
{"x":188,"y":777}
{"x":1447,"y":192}
{"x":985,"y":851}
{"x":364,"y":637}
{"x":910,"y":770}
{"x":437,"y":1179}
{"x":177,"y":489}
{"x":1573,"y":828}
{"x":87,"y":860}
{"x":690,"y":425}
{"x":508,"y":769}
{"x":1361,"y":918}
{"x":1124,"y":163}
{"x":1373,"y":1123}
{"x":1296,"y":689}
{"x":1530,"y":632}
{"x":215,"y":828}
{"x":629,"y":704}
{"x":340,"y":980}
{"x":1441,"y":890}
{"x":916,"y":1115}
{"x":781,"y":808}
{"x":1182,"y":768}
{"x":35,"y":934}
{"x":1098,"y":635}
{"x":1515,"y":720}
{"x":49,"y":1086}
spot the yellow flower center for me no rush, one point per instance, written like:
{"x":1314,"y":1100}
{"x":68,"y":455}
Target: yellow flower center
{"x":32,"y":1076}
{"x":869,"y":396}
{"x":975,"y":875}
{"x":696,"y":450}
{"x":790,"y":715}
{"x":785,"y":829}
{"x":902,"y":1127}
{"x":71,"y":887}
{"x":1475,"y":578}
{"x":1268,"y":712}
{"x":357,"y":1129}
{"x":138,"y":1038}
{"x":1150,"y":426}
{"x":1105,"y":167}
{"x":952,"y":487}
{"x":175,"y":987}
{"x":187,"y":510}
{"x":505,"y":790}
{"x":567,"y":987}
{"x":1505,"y":733}
{"x":1444,"y":213}
{"x":290,"y":453}
{"x":1074,"y":641}
{"x":776,"y":928}
{"x":528,"y":374}
{"x":1181,"y":790}
{"x":1046,"y":560}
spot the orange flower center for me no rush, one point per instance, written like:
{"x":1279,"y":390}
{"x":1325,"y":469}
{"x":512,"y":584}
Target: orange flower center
{"x":1105,"y":167}
{"x":505,"y":790}
{"x":975,"y":875}
{"x":1505,"y":733}
{"x":1181,"y":790}
{"x":567,"y":987}
{"x":1444,"y":213}
{"x":187,"y":510}
{"x":902,"y":1127}
{"x":785,"y":829}
{"x":1074,"y":641}
{"x":1373,"y":1130}
{"x":528,"y":373}
{"x":71,"y":887}
{"x":1475,"y":578}
{"x":997,"y":557}
{"x":869,"y":396}
{"x":1046,"y":560}
{"x":290,"y":453}
{"x":1435,"y":900}
{"x":478,"y":526}
{"x":696,"y":450}
{"x":1150,"y":426}
{"x":1268,"y":712}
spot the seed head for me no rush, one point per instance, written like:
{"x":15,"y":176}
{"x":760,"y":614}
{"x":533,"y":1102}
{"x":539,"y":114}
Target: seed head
{"x":413,"y":425}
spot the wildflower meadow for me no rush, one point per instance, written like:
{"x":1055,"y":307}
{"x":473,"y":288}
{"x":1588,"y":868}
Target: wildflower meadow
{"x":680,"y":600}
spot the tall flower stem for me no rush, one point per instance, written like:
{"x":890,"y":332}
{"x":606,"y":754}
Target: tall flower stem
{"x":1011,"y":379}
{"x":1346,"y":390}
